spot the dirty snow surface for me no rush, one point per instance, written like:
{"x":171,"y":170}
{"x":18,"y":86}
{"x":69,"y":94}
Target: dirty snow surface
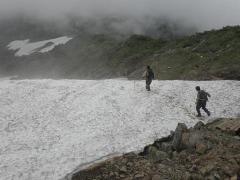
{"x":25,"y":47}
{"x":49,"y":127}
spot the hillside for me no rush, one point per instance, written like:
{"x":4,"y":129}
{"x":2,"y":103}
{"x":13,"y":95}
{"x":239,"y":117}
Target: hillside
{"x":203,"y":56}
{"x":208,"y":55}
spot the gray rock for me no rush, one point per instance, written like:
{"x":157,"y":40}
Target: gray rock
{"x":155,"y":155}
{"x":123,"y":170}
{"x":195,"y":138}
{"x":140,"y":175}
{"x":177,"y":139}
{"x":199,"y":125}
{"x":166,"y":147}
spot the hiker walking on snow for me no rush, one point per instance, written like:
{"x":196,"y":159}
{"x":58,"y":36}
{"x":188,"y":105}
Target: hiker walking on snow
{"x":201,"y":102}
{"x":149,"y":76}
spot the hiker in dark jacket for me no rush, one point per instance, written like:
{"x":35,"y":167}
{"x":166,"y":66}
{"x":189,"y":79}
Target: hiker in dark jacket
{"x":201,"y":102}
{"x":149,"y":76}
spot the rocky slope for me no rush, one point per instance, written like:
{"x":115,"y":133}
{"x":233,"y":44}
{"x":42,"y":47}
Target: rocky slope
{"x":209,"y":151}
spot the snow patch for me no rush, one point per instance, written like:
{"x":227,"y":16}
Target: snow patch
{"x":49,"y":127}
{"x":25,"y":47}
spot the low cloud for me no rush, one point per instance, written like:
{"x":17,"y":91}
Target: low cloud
{"x":202,"y":14}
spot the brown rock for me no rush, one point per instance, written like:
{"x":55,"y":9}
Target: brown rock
{"x":185,"y":140}
{"x":201,"y":148}
{"x":234,"y":178}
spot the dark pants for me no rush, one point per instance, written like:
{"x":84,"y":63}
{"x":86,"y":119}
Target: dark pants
{"x":148,"y":83}
{"x":202,"y":104}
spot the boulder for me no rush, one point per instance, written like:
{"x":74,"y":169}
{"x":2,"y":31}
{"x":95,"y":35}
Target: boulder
{"x":155,"y":155}
{"x":166,"y":147}
{"x":199,"y":125}
{"x":177,"y":139}
{"x":195,"y":138}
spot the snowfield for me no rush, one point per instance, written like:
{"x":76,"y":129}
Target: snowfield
{"x":50,"y":127}
{"x":24,"y":47}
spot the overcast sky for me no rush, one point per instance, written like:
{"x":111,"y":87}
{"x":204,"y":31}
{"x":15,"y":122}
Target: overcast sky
{"x":206,"y":14}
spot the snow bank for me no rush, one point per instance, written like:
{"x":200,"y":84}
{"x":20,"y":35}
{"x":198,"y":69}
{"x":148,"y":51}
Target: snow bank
{"x":24,"y":47}
{"x":48,"y":127}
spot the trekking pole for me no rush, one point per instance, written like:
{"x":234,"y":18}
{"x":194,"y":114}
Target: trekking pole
{"x":134,"y":85}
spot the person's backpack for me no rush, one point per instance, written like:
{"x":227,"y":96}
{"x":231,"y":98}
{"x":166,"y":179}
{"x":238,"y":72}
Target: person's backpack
{"x":203,"y":95}
{"x":151,"y":74}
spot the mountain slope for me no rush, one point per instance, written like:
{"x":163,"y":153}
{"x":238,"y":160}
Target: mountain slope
{"x":208,"y":55}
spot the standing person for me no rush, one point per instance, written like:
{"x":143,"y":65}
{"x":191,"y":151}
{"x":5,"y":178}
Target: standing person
{"x":201,"y":102}
{"x":149,"y":76}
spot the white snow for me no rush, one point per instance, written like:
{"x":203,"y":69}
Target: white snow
{"x":49,"y":127}
{"x":25,"y":47}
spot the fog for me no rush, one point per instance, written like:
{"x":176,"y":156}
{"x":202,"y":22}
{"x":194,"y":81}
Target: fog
{"x":202,"y":14}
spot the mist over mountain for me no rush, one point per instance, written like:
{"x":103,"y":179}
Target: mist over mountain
{"x":112,"y":38}
{"x":132,"y":16}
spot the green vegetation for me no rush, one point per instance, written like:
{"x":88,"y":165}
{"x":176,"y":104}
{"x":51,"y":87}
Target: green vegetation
{"x":209,"y":55}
